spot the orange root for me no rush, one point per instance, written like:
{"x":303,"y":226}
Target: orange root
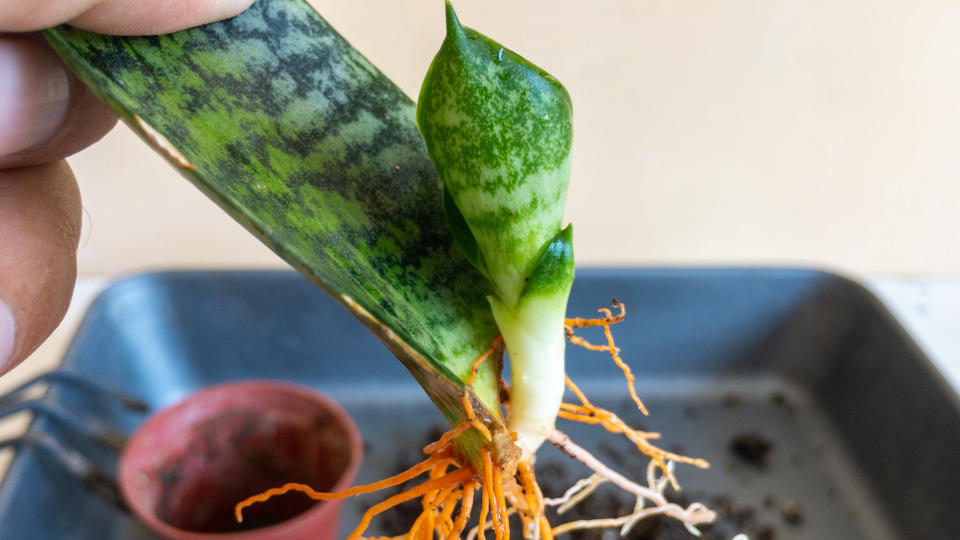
{"x":450,"y":479}
{"x":466,"y":507}
{"x":611,"y":347}
{"x":440,"y":493}
{"x":484,"y":511}
{"x":589,"y":413}
{"x":535,"y":502}
{"x":500,"y":506}
{"x":609,"y":319}
{"x":465,"y":399}
{"x":413,"y":472}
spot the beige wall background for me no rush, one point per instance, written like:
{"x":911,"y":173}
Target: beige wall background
{"x":820,"y":133}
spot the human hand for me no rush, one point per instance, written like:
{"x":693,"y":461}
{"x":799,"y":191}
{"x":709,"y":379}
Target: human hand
{"x":46,"y":114}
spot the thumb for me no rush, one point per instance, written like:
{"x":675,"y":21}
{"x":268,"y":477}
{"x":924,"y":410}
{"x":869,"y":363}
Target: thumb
{"x":39,"y":230}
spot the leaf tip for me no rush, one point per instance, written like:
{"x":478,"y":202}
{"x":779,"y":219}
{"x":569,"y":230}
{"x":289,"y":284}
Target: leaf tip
{"x":453,"y":23}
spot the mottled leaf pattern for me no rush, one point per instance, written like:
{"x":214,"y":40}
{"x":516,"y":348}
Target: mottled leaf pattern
{"x":295,"y":134}
{"x":499,"y":130}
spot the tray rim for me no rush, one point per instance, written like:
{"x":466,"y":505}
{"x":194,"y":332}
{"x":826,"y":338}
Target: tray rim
{"x":117,"y":286}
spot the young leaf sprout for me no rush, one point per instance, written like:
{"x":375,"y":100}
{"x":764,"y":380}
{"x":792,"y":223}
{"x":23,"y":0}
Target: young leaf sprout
{"x":499,"y":132}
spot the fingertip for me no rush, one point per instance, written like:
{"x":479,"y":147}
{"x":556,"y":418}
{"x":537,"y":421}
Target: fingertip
{"x":8,"y":336}
{"x":46,"y":113}
{"x":120,"y":17}
{"x":34,"y":93}
{"x":133,"y":17}
{"x":40,"y":216}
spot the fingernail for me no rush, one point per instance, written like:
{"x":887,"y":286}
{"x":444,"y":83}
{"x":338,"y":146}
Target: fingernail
{"x":34,"y":94}
{"x":8,"y":333}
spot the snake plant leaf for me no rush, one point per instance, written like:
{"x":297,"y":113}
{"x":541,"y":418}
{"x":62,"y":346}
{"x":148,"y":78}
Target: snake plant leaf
{"x":461,"y":233}
{"x":499,"y":130}
{"x":278,"y":119}
{"x":555,"y":269}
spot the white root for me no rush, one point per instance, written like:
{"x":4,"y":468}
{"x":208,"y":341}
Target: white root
{"x":608,"y":522}
{"x":576,"y":493}
{"x":694,"y":514}
{"x":657,"y":484}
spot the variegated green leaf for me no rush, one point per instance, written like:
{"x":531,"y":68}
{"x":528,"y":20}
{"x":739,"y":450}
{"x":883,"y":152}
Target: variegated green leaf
{"x":499,"y":130}
{"x":302,"y":140}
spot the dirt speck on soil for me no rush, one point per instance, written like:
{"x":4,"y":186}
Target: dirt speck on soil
{"x":751,"y":448}
{"x":792,"y":513}
{"x":731,"y":400}
{"x":765,"y":533}
{"x":780,"y":399}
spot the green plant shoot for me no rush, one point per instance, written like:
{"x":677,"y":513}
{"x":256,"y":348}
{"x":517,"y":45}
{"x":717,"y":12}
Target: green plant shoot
{"x":499,"y":131}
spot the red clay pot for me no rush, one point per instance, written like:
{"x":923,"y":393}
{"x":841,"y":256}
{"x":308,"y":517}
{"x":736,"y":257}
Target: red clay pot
{"x":186,"y":467}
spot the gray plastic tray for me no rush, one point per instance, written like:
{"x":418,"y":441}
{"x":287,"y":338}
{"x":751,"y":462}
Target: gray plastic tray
{"x":864,"y":433}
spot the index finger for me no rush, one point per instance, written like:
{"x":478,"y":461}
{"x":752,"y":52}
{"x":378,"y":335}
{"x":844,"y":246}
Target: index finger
{"x":126,"y":17}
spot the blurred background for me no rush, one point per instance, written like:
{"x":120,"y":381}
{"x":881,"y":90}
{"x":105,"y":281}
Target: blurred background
{"x":815,"y":133}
